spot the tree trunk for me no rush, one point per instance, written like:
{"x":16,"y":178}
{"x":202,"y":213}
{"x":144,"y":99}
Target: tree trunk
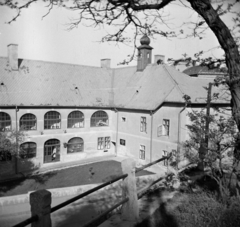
{"x":222,"y":32}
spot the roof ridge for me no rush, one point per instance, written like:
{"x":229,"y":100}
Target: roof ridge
{"x":53,"y":62}
{"x":176,"y":83}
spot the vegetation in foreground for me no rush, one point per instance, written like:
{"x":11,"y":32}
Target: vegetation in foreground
{"x":199,"y":209}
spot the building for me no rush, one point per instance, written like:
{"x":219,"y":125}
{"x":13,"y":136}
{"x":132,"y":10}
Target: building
{"x":204,"y":72}
{"x":74,"y":112}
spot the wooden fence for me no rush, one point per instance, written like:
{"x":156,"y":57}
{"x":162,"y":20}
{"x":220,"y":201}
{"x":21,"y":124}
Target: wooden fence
{"x":40,"y":200}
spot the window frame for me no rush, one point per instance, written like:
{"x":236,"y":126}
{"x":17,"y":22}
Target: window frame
{"x":47,"y":121}
{"x":69,"y":144}
{"x":142,"y":152}
{"x":164,"y":128}
{"x":166,"y":125}
{"x":104,"y":143}
{"x":99,"y":121}
{"x":28,"y":121}
{"x":4,"y":122}
{"x":143,"y":124}
{"x":75,"y":120}
{"x":29,"y":153}
{"x":49,"y":148}
{"x":165,"y":161}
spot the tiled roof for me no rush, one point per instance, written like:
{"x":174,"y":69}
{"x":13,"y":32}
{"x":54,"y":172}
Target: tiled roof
{"x":39,"y":83}
{"x":196,"y":70}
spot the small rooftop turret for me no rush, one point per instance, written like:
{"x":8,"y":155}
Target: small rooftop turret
{"x":144,"y":53}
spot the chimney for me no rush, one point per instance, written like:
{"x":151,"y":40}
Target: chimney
{"x":159,"y":59}
{"x":13,"y":56}
{"x":105,"y":63}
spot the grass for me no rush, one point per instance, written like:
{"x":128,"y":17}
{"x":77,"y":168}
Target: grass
{"x":93,"y":173}
{"x":78,"y":175}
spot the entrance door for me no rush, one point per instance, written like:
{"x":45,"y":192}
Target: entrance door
{"x":52,"y":151}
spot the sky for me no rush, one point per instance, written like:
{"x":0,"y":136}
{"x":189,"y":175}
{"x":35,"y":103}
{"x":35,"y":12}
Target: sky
{"x":48,"y":38}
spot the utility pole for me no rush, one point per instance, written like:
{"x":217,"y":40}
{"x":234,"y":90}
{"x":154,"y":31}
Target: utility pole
{"x":204,"y":144}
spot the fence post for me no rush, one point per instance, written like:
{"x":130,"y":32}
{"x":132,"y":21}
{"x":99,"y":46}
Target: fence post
{"x":130,"y":209}
{"x":40,"y":202}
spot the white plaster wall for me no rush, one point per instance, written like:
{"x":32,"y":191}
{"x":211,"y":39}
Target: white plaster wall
{"x":40,"y":136}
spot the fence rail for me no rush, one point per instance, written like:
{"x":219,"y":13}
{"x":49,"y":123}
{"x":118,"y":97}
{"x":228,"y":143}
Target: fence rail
{"x":152,"y":163}
{"x":41,"y":213}
{"x":27,"y":221}
{"x":61,"y":205}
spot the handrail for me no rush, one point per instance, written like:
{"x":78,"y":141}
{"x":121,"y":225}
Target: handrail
{"x":143,"y":191}
{"x":103,"y":217}
{"x":152,"y":163}
{"x":27,"y":221}
{"x":61,"y":205}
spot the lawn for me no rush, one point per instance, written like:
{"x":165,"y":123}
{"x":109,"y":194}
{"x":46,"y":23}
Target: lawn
{"x":78,"y":175}
{"x":92,"y":173}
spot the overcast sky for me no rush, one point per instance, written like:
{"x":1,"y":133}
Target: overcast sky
{"x":48,"y":39}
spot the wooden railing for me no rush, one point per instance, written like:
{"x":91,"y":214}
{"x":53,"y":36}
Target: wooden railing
{"x":40,"y":200}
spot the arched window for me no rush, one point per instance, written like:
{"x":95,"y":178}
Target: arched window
{"x":52,"y":151}
{"x":75,"y":145}
{"x":28,"y":122}
{"x":52,"y":120}
{"x":76,"y":119}
{"x":5,"y":150}
{"x":28,"y":150}
{"x":99,"y":119}
{"x":5,"y":122}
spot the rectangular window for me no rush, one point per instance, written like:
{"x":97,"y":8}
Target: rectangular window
{"x":143,"y":124}
{"x":107,"y":143}
{"x":163,"y":130}
{"x":142,"y":152}
{"x":122,"y":142}
{"x":166,"y":124}
{"x":165,"y":162}
{"x":103,"y":143}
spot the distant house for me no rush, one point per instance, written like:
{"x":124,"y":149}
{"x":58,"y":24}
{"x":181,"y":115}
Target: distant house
{"x":74,"y":112}
{"x":204,"y":72}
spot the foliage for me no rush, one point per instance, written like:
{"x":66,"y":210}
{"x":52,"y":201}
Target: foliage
{"x":204,"y":209}
{"x":9,"y":147}
{"x":222,"y":136}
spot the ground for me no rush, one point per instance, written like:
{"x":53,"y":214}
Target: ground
{"x":93,"y":173}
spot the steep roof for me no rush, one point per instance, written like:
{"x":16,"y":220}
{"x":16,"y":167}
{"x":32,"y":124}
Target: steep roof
{"x":39,"y":83}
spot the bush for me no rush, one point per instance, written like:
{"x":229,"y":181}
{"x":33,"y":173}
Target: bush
{"x":200,"y":209}
{"x":203,"y":209}
{"x":231,"y":215}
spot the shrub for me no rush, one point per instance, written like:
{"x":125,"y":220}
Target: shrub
{"x":200,"y":209}
{"x":231,"y":215}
